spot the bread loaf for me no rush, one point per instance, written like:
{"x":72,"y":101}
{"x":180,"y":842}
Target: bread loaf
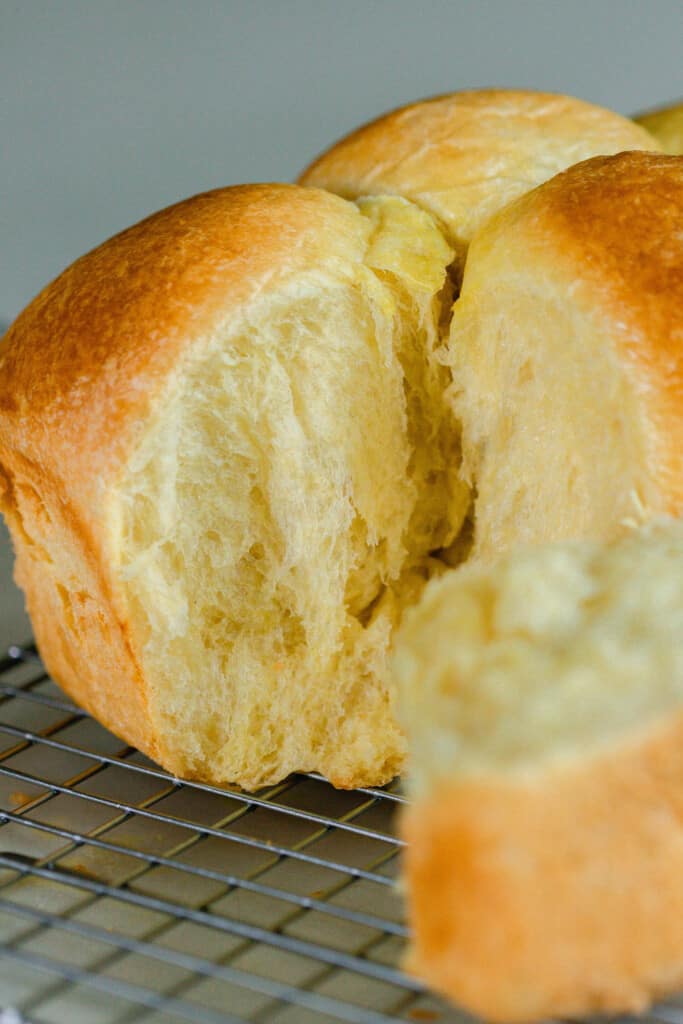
{"x":225,"y":458}
{"x":666,"y":125}
{"x":543,"y":699}
{"x":466,"y":155}
{"x":230,"y":452}
{"x":566,"y":347}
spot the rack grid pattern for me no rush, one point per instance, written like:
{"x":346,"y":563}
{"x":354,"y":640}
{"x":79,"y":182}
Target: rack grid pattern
{"x":129,"y":896}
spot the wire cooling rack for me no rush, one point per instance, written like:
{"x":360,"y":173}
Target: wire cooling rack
{"x":128,"y":896}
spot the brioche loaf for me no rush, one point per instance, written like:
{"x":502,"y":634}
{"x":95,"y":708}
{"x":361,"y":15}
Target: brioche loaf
{"x":229,"y":451}
{"x":666,"y":125}
{"x":225,"y":457}
{"x":464,"y":156}
{"x":543,"y":699}
{"x":566,"y":347}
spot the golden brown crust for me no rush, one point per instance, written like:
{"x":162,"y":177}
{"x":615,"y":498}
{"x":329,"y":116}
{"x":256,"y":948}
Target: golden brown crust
{"x":463,"y":156}
{"x":614,"y":226}
{"x":85,"y":360}
{"x":555,"y":895}
{"x":81,"y":639}
{"x":666,"y":125}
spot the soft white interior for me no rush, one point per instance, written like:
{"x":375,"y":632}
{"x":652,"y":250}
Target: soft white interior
{"x":554,"y":435}
{"x":552,"y":653}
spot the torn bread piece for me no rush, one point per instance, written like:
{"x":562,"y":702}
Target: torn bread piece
{"x":225,"y":458}
{"x":543,"y":700}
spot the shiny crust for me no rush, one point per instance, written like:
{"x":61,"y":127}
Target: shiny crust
{"x":85,"y":361}
{"x":83,"y":366}
{"x":557,"y":895}
{"x":666,"y":124}
{"x":611,"y":230}
{"x":462,"y":156}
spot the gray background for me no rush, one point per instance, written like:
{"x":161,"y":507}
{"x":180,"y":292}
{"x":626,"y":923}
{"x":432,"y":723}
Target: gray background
{"x":112,"y":110}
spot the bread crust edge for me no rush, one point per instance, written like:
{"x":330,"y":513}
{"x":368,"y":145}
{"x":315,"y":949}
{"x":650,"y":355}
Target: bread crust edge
{"x":558,"y":894}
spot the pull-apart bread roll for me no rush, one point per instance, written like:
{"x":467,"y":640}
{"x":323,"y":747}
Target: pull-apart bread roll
{"x":543,"y":699}
{"x":566,"y":347}
{"x":225,"y":457}
{"x":666,"y":125}
{"x":464,"y":156}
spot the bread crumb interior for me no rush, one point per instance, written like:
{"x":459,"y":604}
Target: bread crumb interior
{"x":552,"y":653}
{"x":284,"y":509}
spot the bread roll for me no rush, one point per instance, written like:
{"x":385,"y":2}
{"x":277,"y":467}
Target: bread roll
{"x":543,"y":699}
{"x":566,"y":347}
{"x":464,"y":156}
{"x":225,"y":456}
{"x":666,"y":125}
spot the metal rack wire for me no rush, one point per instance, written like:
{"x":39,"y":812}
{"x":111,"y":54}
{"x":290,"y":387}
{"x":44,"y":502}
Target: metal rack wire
{"x":128,"y":896}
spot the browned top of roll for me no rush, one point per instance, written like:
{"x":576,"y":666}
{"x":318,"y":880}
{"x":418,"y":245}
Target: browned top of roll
{"x":463,"y":156}
{"x":81,"y":365}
